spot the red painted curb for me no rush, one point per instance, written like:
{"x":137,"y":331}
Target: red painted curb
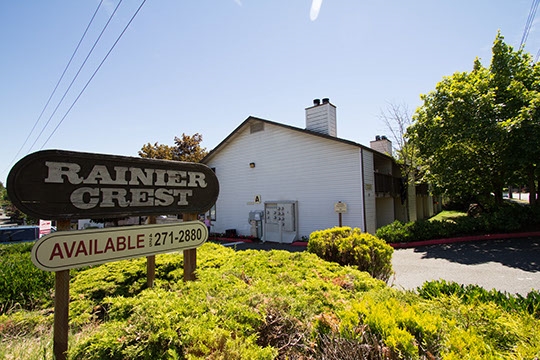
{"x":296,"y":243}
{"x":420,"y":243}
{"x":465,"y":239}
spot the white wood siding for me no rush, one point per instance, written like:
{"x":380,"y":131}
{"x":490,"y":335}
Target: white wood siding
{"x":289,"y":165}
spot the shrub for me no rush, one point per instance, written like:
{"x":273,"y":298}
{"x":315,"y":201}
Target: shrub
{"x":507,"y":218}
{"x":473,"y":294}
{"x":22,"y":284}
{"x":348,"y":246}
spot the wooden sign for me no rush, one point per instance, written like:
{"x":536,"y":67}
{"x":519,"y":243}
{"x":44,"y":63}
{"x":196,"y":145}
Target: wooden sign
{"x":72,"y":249}
{"x":57,"y":184}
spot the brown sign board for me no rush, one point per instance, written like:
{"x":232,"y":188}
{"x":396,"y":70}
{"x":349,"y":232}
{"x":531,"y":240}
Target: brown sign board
{"x":72,"y":249}
{"x":58,"y":184}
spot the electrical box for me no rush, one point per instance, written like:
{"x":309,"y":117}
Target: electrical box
{"x":255,"y":220}
{"x":280,"y":221}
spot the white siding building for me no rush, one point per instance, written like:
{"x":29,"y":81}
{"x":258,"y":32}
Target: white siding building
{"x":280,"y":183}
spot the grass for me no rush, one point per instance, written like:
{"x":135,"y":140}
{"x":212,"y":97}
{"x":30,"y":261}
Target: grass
{"x":448,"y":215}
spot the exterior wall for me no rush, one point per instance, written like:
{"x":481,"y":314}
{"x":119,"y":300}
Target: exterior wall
{"x":385,"y":211}
{"x":424,"y":206}
{"x":400,"y":210}
{"x":288,"y":165}
{"x":419,"y":207}
{"x":369,"y":192}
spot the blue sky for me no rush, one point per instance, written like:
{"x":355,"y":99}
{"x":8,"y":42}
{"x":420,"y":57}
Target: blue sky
{"x":205,"y":66}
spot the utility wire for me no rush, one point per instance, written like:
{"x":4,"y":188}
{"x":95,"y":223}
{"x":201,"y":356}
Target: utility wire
{"x":57,"y":84}
{"x":77,"y":74}
{"x":95,"y":72}
{"x":528,"y":24}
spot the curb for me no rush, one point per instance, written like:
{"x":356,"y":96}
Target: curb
{"x":465,"y":239}
{"x":222,"y":239}
{"x":413,"y":244}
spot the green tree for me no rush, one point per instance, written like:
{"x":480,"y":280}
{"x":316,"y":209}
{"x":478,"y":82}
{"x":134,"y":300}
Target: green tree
{"x":187,"y":148}
{"x":516,"y":79}
{"x":471,"y":131}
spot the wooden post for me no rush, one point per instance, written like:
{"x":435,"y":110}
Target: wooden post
{"x":339,"y":219}
{"x":61,"y":306}
{"x":190,"y":255}
{"x":151,"y":262}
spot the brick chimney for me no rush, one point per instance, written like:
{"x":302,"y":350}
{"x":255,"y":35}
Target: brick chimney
{"x":321,"y":117}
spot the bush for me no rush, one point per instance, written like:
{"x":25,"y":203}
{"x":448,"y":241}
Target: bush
{"x":22,"y":284}
{"x":267,"y":305}
{"x":505,"y":219}
{"x":348,"y":246}
{"x":244,"y":305}
{"x":473,"y":294}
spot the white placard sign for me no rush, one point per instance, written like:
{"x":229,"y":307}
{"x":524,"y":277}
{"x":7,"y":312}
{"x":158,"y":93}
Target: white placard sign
{"x":72,"y":249}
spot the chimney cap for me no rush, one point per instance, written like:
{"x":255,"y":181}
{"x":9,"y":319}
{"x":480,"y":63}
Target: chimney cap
{"x":316,"y":102}
{"x":325,"y":100}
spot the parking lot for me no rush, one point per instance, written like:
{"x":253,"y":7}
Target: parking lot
{"x":511,"y":265}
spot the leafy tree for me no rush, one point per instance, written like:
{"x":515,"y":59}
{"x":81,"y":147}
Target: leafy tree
{"x":472,"y":130}
{"x":186,"y":148}
{"x":156,"y":151}
{"x":516,"y":79}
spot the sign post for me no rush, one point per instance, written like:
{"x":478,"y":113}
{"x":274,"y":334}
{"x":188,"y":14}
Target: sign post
{"x":151,"y":262}
{"x":65,"y":185}
{"x":61,"y":305}
{"x":190,"y":256}
{"x":340,"y":208}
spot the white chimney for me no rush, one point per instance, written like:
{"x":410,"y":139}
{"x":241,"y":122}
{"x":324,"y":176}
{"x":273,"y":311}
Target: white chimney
{"x":321,"y":117}
{"x":382,"y":145}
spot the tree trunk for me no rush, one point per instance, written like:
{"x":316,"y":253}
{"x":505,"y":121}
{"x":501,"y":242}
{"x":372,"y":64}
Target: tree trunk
{"x":498,"y":191}
{"x":532,"y":186}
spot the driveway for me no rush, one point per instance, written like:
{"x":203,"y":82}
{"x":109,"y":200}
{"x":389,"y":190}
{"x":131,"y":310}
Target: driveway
{"x":511,"y":265}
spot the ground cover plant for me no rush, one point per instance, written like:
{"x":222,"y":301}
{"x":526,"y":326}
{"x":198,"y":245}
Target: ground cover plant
{"x":265,"y":305}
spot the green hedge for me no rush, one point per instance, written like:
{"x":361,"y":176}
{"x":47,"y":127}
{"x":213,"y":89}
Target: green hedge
{"x":508,"y":218}
{"x":348,"y":246}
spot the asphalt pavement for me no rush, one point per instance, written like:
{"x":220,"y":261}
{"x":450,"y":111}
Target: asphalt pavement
{"x":510,"y":265}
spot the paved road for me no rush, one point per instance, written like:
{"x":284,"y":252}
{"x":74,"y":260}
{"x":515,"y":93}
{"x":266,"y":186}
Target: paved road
{"x":511,"y":265}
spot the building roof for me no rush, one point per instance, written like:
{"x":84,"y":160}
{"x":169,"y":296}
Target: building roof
{"x":252,"y":119}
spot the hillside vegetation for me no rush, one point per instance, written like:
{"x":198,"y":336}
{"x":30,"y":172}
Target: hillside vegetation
{"x":264,"y":305}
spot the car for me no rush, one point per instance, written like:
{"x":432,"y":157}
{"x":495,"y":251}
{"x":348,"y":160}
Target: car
{"x":18,"y":234}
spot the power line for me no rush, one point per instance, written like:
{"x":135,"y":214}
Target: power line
{"x":57,"y":84}
{"x":95,"y":72}
{"x":528,"y":24}
{"x":77,"y":74}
